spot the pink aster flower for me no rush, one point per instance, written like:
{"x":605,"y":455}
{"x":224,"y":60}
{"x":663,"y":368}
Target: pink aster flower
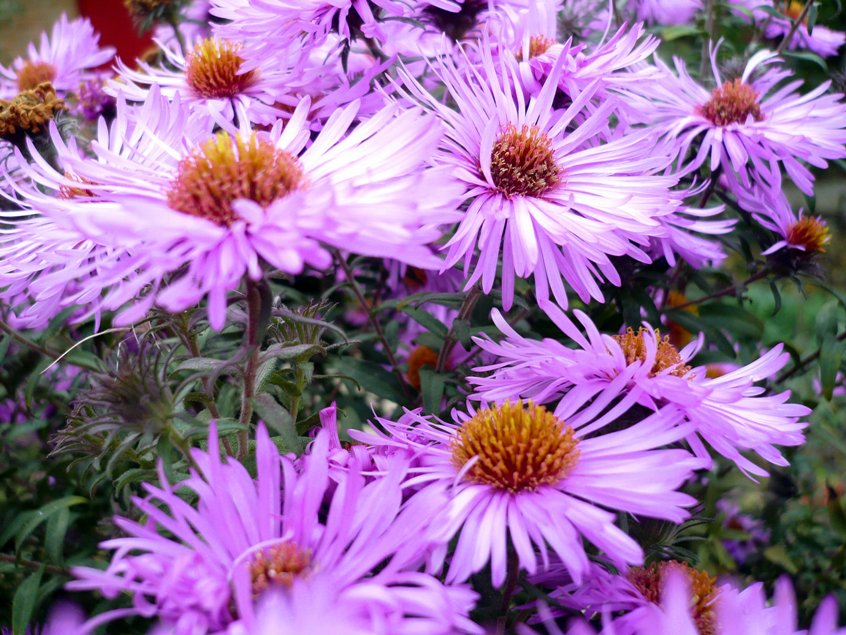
{"x":64,"y":58}
{"x":667,"y":12}
{"x":228,"y":205}
{"x":516,"y":474}
{"x":748,"y":125}
{"x":539,"y":182}
{"x":729,"y":412}
{"x":200,"y":568}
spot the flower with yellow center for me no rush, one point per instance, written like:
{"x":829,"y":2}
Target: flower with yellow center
{"x":214,"y":70}
{"x":523,"y":162}
{"x":224,"y":169}
{"x":515,"y":447}
{"x":733,"y":102}
{"x":514,"y":473}
{"x":667,"y":357}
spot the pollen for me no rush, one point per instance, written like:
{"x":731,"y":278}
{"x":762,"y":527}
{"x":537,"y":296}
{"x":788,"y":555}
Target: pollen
{"x":420,"y":357}
{"x":650,"y":580}
{"x":538,"y":45}
{"x":733,"y":102}
{"x":523,"y":162}
{"x":667,"y":356}
{"x":34,"y":73}
{"x":810,"y":233}
{"x":224,"y":169}
{"x":213,"y":70}
{"x":278,"y":566}
{"x":516,"y":448}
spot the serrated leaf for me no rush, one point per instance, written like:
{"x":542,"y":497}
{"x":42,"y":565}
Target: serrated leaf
{"x":23,"y":604}
{"x":38,"y":516}
{"x":432,"y":386}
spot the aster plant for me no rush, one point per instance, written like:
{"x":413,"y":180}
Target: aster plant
{"x":439,"y":316}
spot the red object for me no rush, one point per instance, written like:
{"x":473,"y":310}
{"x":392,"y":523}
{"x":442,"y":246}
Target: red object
{"x":111,"y":20}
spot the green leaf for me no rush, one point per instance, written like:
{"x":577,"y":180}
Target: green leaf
{"x":807,"y":56}
{"x":291,"y":351}
{"x":373,"y":378}
{"x":812,"y":17}
{"x":278,"y":419}
{"x":21,"y":531}
{"x":732,"y":318}
{"x":831,"y":356}
{"x":432,"y":386}
{"x":57,"y":527}
{"x":827,"y":320}
{"x":23,"y":604}
{"x":670,"y":33}
{"x":777,"y":554}
{"x":426,"y":320}
{"x":836,"y":515}
{"x":204,"y":364}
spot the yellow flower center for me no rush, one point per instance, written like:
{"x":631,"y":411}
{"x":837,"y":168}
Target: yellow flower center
{"x":516,"y":448}
{"x":809,"y":232}
{"x":278,"y":566}
{"x":212,"y":70}
{"x":650,"y":581}
{"x":224,"y":169}
{"x":523,"y":162}
{"x":34,"y":73}
{"x":633,"y":346}
{"x":733,"y":102}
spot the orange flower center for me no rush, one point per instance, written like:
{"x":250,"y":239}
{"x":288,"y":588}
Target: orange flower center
{"x":650,"y":581}
{"x":213,"y":70}
{"x":523,"y":162}
{"x":516,"y":448}
{"x":810,"y":233}
{"x":420,"y":357}
{"x":224,"y":169}
{"x":34,"y":73}
{"x":278,"y":566}
{"x":733,"y":102}
{"x":633,"y":346}
{"x":538,"y":45}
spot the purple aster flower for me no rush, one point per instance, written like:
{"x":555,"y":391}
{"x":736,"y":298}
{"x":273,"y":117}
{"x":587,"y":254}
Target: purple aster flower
{"x":65,"y":618}
{"x":776,"y":17}
{"x":729,"y":412}
{"x":667,"y":12}
{"x":757,"y":536}
{"x":516,"y":471}
{"x":747,"y":611}
{"x":228,"y":204}
{"x":748,"y":124}
{"x":212,"y":75}
{"x":292,"y":531}
{"x":64,"y":58}
{"x":265,"y":26}
{"x":538,"y":183}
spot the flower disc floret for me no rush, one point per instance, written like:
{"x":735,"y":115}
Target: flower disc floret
{"x":733,"y":102}
{"x":650,"y":582}
{"x":666,"y":357}
{"x":35,"y":72}
{"x":523,"y":162}
{"x":515,"y":447}
{"x":277,"y":566}
{"x":809,"y":233}
{"x":224,"y":169}
{"x":213,"y":67}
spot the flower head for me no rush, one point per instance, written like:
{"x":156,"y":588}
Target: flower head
{"x":747,"y":125}
{"x":538,"y":180}
{"x":233,"y":203}
{"x":516,"y":473}
{"x":730,"y":412}
{"x":64,"y":58}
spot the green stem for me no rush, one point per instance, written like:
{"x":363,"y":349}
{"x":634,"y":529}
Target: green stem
{"x":804,"y":362}
{"x":251,"y":343}
{"x":32,"y":564}
{"x":466,"y":310}
{"x":508,"y":591}
{"x":38,"y":348}
{"x":727,"y":291}
{"x":709,"y":37}
{"x":795,"y":25}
